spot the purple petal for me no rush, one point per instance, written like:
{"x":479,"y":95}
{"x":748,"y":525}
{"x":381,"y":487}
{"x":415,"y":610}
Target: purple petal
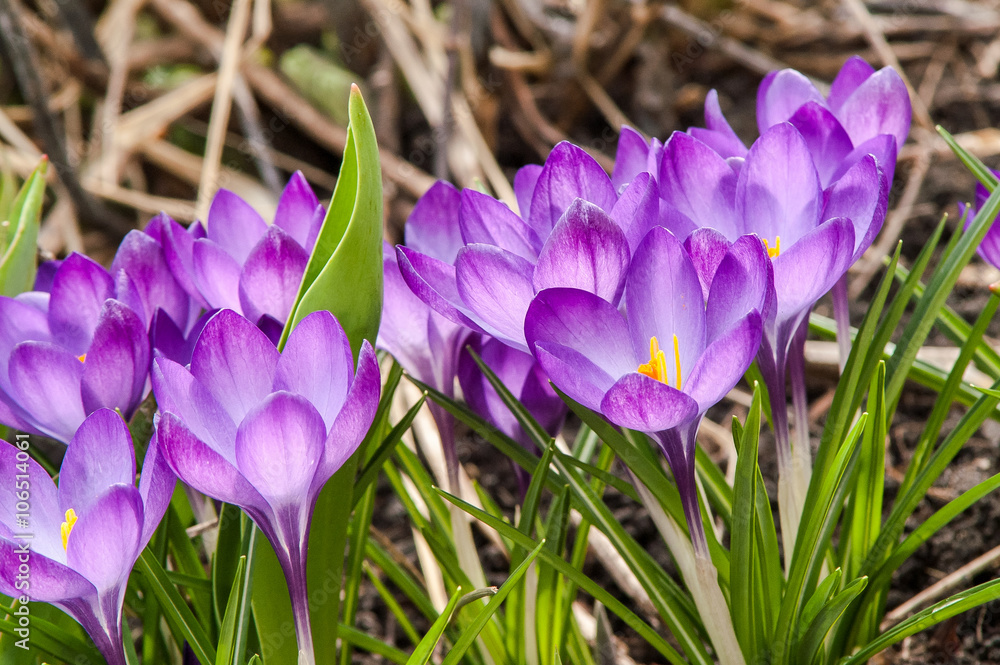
{"x":581,"y":341}
{"x":586,"y":250}
{"x":45,"y":382}
{"x":234,"y":225}
{"x":706,"y":247}
{"x":317,"y":364}
{"x":496,"y":285}
{"x":724,"y":361}
{"x":45,"y":516}
{"x":631,"y":157}
{"x":880,"y":105}
{"x":826,"y":139}
{"x":432,"y":227}
{"x":143,"y":259}
{"x":569,"y":173}
{"x":104,"y":544}
{"x":638,"y":402}
{"x":296,"y":209}
{"x":79,"y":290}
{"x":156,"y":487}
{"x":433,"y":281}
{"x":235,"y":361}
{"x":270,"y":279}
{"x":696,"y":181}
{"x":99,"y":456}
{"x":217,"y":275}
{"x":404,"y":326}
{"x":167,"y":340}
{"x":524,"y":186}
{"x":854,"y":72}
{"x":483,"y":219}
{"x":204,"y":469}
{"x":279,"y":446}
{"x":46,"y":274}
{"x":861,"y":196}
{"x":810,"y":267}
{"x":743,"y":282}
{"x":718,"y":135}
{"x":178,"y":249}
{"x":664,"y":298}
{"x":511,"y":367}
{"x":781,"y":94}
{"x":117,"y":363}
{"x":778,"y":193}
{"x":51,"y":581}
{"x":354,"y":419}
{"x":882,"y":147}
{"x":179,"y":393}
{"x":638,"y":208}
{"x":19,"y":322}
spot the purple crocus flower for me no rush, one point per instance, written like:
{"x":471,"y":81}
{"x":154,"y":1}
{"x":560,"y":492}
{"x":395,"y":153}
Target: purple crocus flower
{"x":238,"y":261}
{"x":575,"y":231}
{"x":83,"y":537}
{"x":989,"y":248}
{"x":693,"y":326}
{"x":265,"y":430}
{"x":70,"y":351}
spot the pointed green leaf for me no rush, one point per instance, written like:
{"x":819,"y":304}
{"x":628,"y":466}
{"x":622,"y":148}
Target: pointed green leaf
{"x":19,"y":235}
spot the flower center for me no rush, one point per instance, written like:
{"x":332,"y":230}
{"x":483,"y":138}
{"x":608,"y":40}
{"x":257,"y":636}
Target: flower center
{"x":656,"y":368}
{"x":83,"y":358}
{"x":67,"y":526}
{"x":773,"y":251}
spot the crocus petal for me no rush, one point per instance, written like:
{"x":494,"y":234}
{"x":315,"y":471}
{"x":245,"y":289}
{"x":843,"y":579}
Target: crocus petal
{"x":19,"y":322}
{"x":45,"y":516}
{"x":724,"y":361}
{"x":483,"y":219}
{"x":178,"y":249}
{"x":718,"y":135}
{"x":569,"y":173}
{"x":270,"y":279}
{"x":296,"y":208}
{"x":279,"y":446}
{"x":104,"y":543}
{"x":638,"y":208}
{"x":180,"y":393}
{"x":403,"y":329}
{"x":217,"y":275}
{"x":743,"y":281}
{"x":810,"y":267}
{"x":580,"y":341}
{"x":630,"y":159}
{"x":432,"y":227}
{"x":143,"y":260}
{"x":496,"y":285}
{"x":880,"y":105}
{"x":780,"y":94}
{"x":697,"y":181}
{"x":235,"y":361}
{"x":524,"y":186}
{"x":433,"y":281}
{"x":45,"y":380}
{"x":234,"y":225}
{"x":317,"y":364}
{"x":778,"y":193}
{"x":79,"y":289}
{"x":638,"y":402}
{"x":99,"y":456}
{"x":586,"y":250}
{"x":354,"y":419}
{"x":664,"y":298}
{"x":117,"y":363}
{"x":825,"y":137}
{"x":204,"y":469}
{"x":156,"y":487}
{"x":51,"y":581}
{"x":882,"y":148}
{"x":861,"y":195}
{"x":854,"y":72}
{"x":706,"y":247}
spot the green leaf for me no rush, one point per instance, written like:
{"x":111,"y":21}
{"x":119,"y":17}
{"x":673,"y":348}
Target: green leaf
{"x":230,"y":651}
{"x":422,"y":654}
{"x":19,"y":240}
{"x":812,"y":638}
{"x":365,"y":641}
{"x":973,"y":163}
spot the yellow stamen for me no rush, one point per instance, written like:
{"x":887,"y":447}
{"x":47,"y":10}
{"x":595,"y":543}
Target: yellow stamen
{"x":773,"y":251}
{"x":656,"y":368}
{"x":67,"y":526}
{"x":82,"y":358}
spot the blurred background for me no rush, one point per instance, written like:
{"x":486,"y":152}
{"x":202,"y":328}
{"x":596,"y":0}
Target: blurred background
{"x":152,"y":105}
